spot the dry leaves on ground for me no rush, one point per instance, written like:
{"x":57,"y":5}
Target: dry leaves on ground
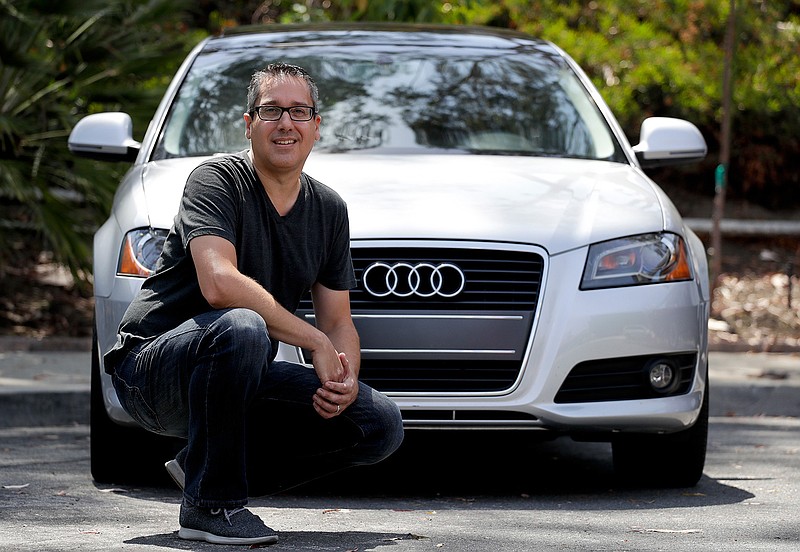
{"x":759,"y":311}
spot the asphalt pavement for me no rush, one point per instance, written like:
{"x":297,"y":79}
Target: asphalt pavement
{"x":746,"y":501}
{"x":46,"y":382}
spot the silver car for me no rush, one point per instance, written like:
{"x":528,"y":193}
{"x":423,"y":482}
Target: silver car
{"x":517,"y":270}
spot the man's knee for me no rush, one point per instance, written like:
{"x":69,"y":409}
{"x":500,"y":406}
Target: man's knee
{"x":388,"y":434}
{"x":241,"y":339}
{"x":243,"y":328}
{"x":394,"y":427}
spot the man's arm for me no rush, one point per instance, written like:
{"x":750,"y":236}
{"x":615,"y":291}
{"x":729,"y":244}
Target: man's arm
{"x":332,"y":312}
{"x":223,"y":286}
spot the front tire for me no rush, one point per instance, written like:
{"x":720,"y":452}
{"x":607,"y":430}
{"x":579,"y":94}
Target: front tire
{"x":122,"y":454}
{"x":663,"y":461}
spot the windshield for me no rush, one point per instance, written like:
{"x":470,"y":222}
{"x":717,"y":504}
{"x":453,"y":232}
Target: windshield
{"x":522,"y":101}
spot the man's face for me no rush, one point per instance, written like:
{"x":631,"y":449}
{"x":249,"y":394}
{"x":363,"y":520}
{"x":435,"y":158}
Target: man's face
{"x":282,"y":145}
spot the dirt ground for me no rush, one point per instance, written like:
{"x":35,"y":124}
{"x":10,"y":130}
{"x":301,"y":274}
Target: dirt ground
{"x":756,"y":306}
{"x":41,"y":300}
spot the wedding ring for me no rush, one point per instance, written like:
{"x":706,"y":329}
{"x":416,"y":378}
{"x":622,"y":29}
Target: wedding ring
{"x":338,"y":408}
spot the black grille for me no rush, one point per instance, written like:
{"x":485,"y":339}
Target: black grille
{"x":389,"y":375}
{"x":494,"y":280}
{"x":619,"y":379}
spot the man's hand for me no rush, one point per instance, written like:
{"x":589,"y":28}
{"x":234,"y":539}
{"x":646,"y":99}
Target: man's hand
{"x":333,"y":397}
{"x":327,"y":362}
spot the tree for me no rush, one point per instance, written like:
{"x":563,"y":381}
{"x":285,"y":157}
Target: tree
{"x":59,"y":62}
{"x":216,"y":15}
{"x":665,"y":57}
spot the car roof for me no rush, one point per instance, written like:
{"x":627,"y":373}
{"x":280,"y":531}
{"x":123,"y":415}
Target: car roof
{"x":363,"y":34}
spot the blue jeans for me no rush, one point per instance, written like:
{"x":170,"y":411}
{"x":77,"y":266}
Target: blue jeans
{"x":249,"y":420}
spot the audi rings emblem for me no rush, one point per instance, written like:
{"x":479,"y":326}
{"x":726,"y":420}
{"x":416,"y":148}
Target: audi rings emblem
{"x":421,"y":279}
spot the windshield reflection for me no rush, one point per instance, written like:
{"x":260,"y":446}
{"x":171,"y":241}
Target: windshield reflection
{"x":519,"y":102}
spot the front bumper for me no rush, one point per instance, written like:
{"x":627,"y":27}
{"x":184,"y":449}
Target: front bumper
{"x":570,"y":327}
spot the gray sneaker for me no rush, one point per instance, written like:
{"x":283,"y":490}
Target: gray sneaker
{"x":220,"y":526}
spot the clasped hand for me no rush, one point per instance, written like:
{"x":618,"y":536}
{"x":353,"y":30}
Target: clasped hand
{"x":338,"y":392}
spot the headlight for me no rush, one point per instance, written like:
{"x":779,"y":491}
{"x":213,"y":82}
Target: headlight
{"x":637,"y":260}
{"x":140,"y":251}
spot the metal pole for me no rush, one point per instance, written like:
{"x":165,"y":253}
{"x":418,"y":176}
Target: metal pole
{"x":721,"y":174}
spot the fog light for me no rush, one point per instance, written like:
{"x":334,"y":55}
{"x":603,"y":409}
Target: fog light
{"x":661,"y":376}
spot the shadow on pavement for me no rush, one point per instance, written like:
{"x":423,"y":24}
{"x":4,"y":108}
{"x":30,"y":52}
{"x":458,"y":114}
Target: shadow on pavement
{"x":289,"y":540}
{"x":503,"y":473}
{"x":544,"y":474}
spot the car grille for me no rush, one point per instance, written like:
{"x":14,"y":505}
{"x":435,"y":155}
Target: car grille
{"x":389,"y":375}
{"x":495,"y":280}
{"x":620,"y":379}
{"x":471,"y":342}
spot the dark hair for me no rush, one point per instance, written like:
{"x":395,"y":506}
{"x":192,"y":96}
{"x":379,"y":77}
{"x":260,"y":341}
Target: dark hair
{"x":278,"y":70}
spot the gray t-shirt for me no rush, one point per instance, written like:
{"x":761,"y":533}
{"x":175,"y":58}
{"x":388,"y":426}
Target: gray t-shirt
{"x":285,"y":254}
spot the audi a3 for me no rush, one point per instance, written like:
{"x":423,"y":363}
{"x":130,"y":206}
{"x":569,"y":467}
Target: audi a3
{"x":517,"y":269}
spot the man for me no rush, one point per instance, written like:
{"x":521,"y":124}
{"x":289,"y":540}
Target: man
{"x":196,"y":348}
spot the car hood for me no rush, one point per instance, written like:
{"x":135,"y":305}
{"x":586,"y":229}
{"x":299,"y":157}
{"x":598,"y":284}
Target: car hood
{"x":558,"y":204}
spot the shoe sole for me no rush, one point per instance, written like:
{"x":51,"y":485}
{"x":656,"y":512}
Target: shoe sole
{"x":197,"y":535}
{"x":176,"y":473}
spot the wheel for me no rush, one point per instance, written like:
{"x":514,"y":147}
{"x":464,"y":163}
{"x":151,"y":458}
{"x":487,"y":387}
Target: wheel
{"x":672,"y":460}
{"x":121,"y":454}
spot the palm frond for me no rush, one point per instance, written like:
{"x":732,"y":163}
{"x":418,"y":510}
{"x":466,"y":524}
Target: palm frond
{"x":59,"y":61}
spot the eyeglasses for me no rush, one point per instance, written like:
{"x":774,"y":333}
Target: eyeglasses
{"x":298,"y":113}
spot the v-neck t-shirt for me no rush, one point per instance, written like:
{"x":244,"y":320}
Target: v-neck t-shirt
{"x":285,"y":254}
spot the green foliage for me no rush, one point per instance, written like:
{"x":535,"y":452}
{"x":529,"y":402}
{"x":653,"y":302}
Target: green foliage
{"x":216,"y":15}
{"x":363,"y":10}
{"x":665,"y":57}
{"x":62,"y":60}
{"x":646,"y":57}
{"x":59,"y":62}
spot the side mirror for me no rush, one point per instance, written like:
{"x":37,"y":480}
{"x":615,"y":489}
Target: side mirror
{"x":668,"y":141}
{"x":104,"y":136}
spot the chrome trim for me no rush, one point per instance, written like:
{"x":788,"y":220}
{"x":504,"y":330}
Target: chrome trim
{"x":311,"y":316}
{"x":412,"y":281}
{"x":494,"y":425}
{"x":450,"y":351}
